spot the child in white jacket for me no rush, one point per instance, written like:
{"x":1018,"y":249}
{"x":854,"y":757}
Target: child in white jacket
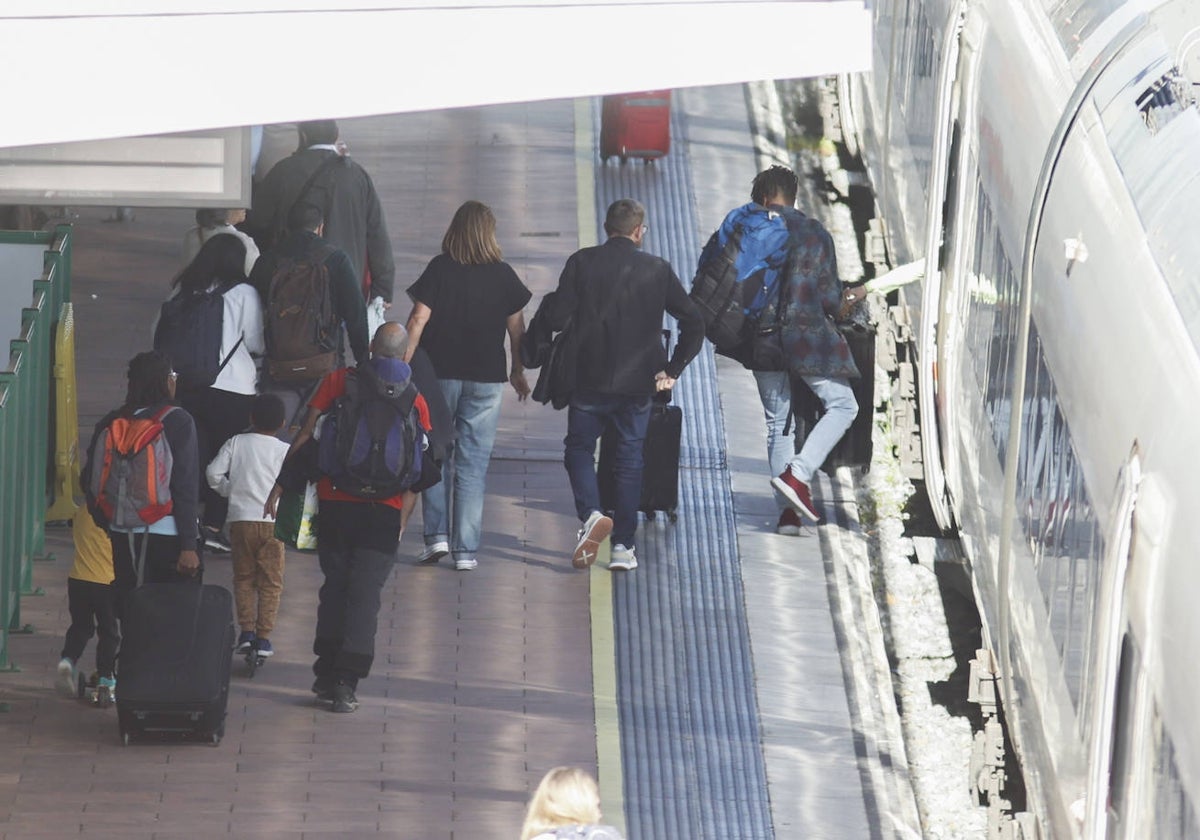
{"x":244,"y":471}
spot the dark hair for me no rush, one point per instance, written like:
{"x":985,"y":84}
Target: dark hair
{"x":208,"y":217}
{"x":220,"y":260}
{"x":777,"y":179}
{"x":266,"y":413}
{"x":304,"y":216}
{"x":319,"y":132}
{"x":148,"y":374}
{"x":624,"y":217}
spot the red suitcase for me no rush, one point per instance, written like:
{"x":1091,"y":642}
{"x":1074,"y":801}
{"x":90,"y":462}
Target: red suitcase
{"x":635,"y":125}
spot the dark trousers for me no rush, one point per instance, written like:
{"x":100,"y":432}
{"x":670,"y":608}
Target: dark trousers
{"x":162,"y":556}
{"x":587,"y":417}
{"x":219,"y":415}
{"x":93,"y":610}
{"x":357,"y":550}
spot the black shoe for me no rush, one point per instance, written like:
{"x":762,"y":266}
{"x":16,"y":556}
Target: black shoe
{"x":323,"y":688}
{"x":215,"y":541}
{"x":344,"y":699}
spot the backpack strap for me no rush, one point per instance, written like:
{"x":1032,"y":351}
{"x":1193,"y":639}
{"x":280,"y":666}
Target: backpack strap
{"x":225,"y":361}
{"x":326,"y":165}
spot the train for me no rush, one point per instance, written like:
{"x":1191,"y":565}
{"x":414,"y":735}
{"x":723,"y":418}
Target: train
{"x":1041,"y":158}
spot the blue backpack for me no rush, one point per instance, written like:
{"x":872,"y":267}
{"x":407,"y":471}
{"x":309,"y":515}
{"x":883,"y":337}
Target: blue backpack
{"x":372,"y":442}
{"x":738,"y":276}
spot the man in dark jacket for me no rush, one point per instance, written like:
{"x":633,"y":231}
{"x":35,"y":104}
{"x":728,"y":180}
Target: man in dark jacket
{"x":319,"y":173}
{"x":615,"y":296}
{"x":306,"y":226}
{"x":813,"y":348}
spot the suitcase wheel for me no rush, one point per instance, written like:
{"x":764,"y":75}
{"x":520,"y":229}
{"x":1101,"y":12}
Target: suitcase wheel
{"x":650,"y":515}
{"x":672,"y":516}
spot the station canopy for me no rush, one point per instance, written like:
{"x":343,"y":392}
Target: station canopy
{"x":97,"y":69}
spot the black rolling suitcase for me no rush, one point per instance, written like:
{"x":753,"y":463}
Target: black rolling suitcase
{"x":855,"y":448}
{"x":174,"y":666}
{"x":660,"y":475}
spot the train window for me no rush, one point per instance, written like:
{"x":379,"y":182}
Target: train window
{"x":1174,"y":810}
{"x":915,"y":76}
{"x":1065,"y":540}
{"x":991,"y":317}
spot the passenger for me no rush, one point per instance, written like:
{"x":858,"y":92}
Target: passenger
{"x":168,"y":549}
{"x":463,"y":304}
{"x":93,"y":610}
{"x":357,"y":542}
{"x":614,"y":296}
{"x":566,"y":806}
{"x":244,"y":472}
{"x":319,"y":173}
{"x":305,"y":243}
{"x":220,"y":409}
{"x":815,"y":351}
{"x":209,"y":223}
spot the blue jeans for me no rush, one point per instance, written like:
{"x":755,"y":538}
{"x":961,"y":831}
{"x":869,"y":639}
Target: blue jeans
{"x":835,"y":394}
{"x":453,"y":509}
{"x":587,"y":417}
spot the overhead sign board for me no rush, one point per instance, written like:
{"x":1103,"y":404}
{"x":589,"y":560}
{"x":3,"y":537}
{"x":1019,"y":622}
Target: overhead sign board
{"x":193,"y":169}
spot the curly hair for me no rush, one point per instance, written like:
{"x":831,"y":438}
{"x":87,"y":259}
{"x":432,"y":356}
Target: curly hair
{"x":777,"y":179}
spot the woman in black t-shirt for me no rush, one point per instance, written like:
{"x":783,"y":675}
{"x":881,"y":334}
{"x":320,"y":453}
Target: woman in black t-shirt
{"x":464,"y":303}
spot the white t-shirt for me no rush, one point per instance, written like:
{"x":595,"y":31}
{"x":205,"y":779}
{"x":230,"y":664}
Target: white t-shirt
{"x":245,"y":471}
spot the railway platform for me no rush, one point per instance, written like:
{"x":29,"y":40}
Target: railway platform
{"x":718,"y":692}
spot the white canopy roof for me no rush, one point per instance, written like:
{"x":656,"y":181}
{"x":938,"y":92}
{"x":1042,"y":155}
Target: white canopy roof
{"x":91,"y":69}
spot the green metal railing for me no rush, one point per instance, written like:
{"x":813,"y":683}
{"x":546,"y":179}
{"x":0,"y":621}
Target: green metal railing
{"x":27,"y":440}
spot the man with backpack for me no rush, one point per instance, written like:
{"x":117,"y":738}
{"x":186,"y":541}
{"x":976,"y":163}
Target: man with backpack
{"x":768,"y":287}
{"x":309,"y":295}
{"x":372,"y":457}
{"x":142,"y":480}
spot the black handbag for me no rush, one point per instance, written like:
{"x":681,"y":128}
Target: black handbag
{"x":556,"y":381}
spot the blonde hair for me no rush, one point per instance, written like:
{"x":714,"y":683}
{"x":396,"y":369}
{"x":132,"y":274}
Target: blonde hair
{"x":566,"y":796}
{"x":471,"y":237}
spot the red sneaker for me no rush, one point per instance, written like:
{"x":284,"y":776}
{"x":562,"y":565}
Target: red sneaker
{"x":789,"y":523}
{"x":797,"y":494}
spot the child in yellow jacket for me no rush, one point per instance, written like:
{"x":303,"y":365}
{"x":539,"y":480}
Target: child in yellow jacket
{"x":91,"y":600}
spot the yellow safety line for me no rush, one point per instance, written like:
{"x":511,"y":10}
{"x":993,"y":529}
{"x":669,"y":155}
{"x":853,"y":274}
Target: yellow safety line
{"x":604,"y":660}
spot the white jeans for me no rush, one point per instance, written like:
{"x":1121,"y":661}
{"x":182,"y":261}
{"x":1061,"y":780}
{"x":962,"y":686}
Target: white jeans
{"x":835,"y":394}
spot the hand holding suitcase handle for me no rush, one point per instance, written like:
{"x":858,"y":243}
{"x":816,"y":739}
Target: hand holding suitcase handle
{"x":662,"y":382}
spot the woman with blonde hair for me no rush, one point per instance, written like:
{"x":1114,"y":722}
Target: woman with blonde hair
{"x":464,"y":304}
{"x":566,"y":806}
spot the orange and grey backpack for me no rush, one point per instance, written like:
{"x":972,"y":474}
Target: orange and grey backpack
{"x":129,"y":485}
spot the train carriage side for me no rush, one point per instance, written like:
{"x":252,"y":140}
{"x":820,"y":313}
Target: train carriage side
{"x":1067,"y":281}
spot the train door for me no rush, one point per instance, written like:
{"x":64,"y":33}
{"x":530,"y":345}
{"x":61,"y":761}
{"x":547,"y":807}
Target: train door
{"x":941,"y":232}
{"x":1120,"y":682}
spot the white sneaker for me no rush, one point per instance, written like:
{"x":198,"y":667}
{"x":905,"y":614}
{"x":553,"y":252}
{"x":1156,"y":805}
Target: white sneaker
{"x":591,"y":535}
{"x":433,"y":553}
{"x":623,"y":559}
{"x":465,"y":564}
{"x":66,"y":677}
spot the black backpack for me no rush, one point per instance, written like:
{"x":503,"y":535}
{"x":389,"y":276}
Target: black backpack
{"x":301,"y":326}
{"x":189,"y":331}
{"x":372,"y":442}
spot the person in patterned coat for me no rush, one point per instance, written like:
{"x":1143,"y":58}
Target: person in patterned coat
{"x":815,"y":352}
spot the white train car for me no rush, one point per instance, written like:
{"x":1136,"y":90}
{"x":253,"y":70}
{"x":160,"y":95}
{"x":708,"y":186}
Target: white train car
{"x":1043,"y":157}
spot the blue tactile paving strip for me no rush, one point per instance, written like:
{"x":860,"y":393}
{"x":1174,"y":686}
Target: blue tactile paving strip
{"x":690,"y":736}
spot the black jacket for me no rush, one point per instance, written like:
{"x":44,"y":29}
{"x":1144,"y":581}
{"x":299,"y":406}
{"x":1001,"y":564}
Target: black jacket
{"x":344,"y":293}
{"x":346,"y":195}
{"x":616,"y":295}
